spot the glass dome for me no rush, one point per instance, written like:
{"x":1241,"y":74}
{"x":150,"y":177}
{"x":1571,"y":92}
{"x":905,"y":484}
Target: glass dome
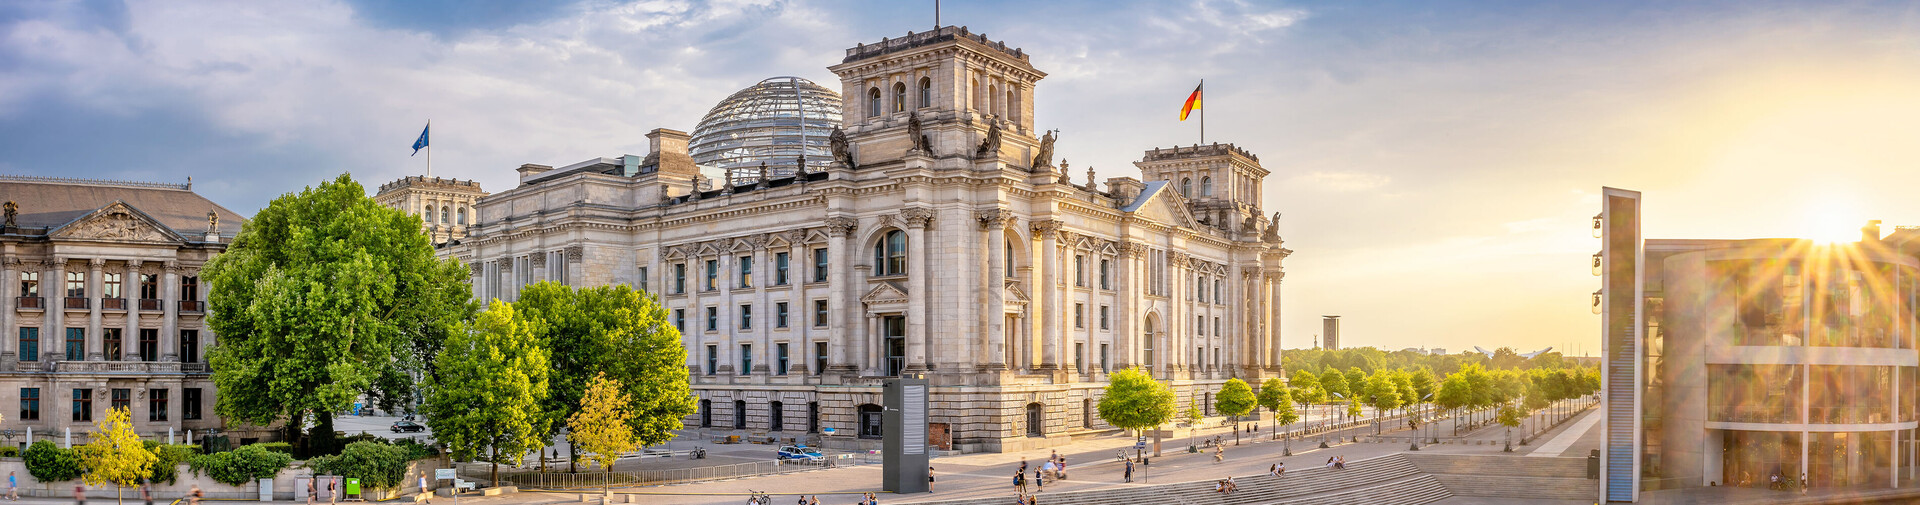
{"x":770,"y":122}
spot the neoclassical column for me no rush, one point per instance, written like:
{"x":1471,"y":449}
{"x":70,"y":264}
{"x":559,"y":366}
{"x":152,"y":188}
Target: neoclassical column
{"x":799,"y":307}
{"x":729,"y":327}
{"x":1180,"y":331}
{"x":842,"y":344}
{"x":170,"y":311}
{"x":995,"y":223}
{"x":9,"y":335}
{"x":537,"y":269}
{"x":920,"y":280}
{"x":1126,"y":322}
{"x":1048,"y":292}
{"x":1274,"y":279}
{"x":96,"y":342}
{"x":763,"y":324}
{"x":129,"y":291}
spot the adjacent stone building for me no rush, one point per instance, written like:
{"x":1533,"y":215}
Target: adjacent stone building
{"x":105,"y":307}
{"x":942,"y":240}
{"x":445,"y":206}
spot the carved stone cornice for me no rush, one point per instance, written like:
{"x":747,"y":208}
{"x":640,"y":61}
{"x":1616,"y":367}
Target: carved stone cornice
{"x":993,"y":218}
{"x":537,"y":260}
{"x":477,"y":268}
{"x":917,"y":217}
{"x":1126,"y":249}
{"x":1051,"y":228}
{"x":1178,"y":259}
{"x":97,"y":262}
{"x":839,"y":227}
{"x":759,"y":242}
{"x":575,"y":252}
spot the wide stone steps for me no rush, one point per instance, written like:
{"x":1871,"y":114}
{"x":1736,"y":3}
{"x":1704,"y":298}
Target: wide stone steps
{"x":1502,"y":486}
{"x":1463,"y":464}
{"x":1360,"y":482}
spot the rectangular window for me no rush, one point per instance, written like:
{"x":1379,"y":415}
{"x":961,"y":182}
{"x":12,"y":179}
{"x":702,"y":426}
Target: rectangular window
{"x":77,"y":284}
{"x":780,"y":354}
{"x":746,"y":359}
{"x":1079,"y":315}
{"x":190,"y":403}
{"x":680,"y":320}
{"x":713,"y":318}
{"x":1217,"y":292}
{"x":819,"y":357}
{"x":1105,"y":321}
{"x":820,"y":265}
{"x":113,"y":344}
{"x":149,"y":286}
{"x":29,"y":404}
{"x":76,"y":344}
{"x":110,"y":285}
{"x":156,"y":405}
{"x":149,"y":344}
{"x":1106,"y":273}
{"x":190,"y":346}
{"x":643,"y":280}
{"x":82,"y":404}
{"x":679,"y":278}
{"x":780,"y":261}
{"x":1080,"y":270}
{"x":1105,"y":365}
{"x":746,"y":317}
{"x":29,"y":283}
{"x":713,"y":274}
{"x":122,"y":399}
{"x":1200,"y":289}
{"x":1200,"y":325}
{"x":780,"y":315}
{"x":1080,"y":356}
{"x":820,"y":313}
{"x":190,"y":288}
{"x":1216,"y":325}
{"x":746,"y":271}
{"x":29,"y":344}
{"x":713,"y":358}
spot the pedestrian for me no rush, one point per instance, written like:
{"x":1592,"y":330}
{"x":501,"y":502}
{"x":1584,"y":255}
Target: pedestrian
{"x":1039,"y":481}
{"x":1061,"y":472}
{"x":332,"y":497}
{"x":1282,"y":470}
{"x":425,"y":495}
{"x":1129,"y":472}
{"x":1803,"y":484}
{"x":194,"y":495}
{"x":929,"y":479}
{"x":146,"y":491}
{"x":313,"y":488}
{"x":1219,"y":454}
{"x":1020,"y":480}
{"x":80,"y":494}
{"x":13,"y":487}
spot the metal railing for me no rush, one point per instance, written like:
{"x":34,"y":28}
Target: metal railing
{"x":30,"y":302}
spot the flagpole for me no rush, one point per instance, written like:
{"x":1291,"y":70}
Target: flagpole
{"x":430,"y":144}
{"x":1203,"y":114}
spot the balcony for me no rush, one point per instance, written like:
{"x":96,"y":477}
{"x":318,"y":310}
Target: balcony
{"x":117,"y":366}
{"x":195,"y":306}
{"x":77,"y":302}
{"x":30,"y":302}
{"x":151,"y":305}
{"x":113,"y":304}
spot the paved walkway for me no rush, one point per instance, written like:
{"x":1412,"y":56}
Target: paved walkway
{"x":1567,"y":438}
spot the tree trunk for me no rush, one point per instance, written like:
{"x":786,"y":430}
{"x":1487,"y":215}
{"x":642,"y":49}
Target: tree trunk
{"x":1236,"y":430}
{"x":573,"y":459}
{"x":494,"y":479}
{"x":296,"y":434}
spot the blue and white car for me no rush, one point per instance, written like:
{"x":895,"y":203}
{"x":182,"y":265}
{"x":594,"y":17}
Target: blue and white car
{"x":800,"y":452}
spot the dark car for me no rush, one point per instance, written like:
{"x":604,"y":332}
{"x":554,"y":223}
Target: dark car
{"x":405,"y":426}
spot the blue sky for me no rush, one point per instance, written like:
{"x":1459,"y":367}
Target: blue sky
{"x":1435,"y":161}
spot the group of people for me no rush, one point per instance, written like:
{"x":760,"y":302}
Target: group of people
{"x":1225,"y":486}
{"x":80,"y":491}
{"x":1277,"y":469}
{"x":1337,"y":462}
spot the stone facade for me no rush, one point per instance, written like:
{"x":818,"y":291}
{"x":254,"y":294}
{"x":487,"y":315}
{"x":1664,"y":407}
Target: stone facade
{"x":445,"y":206}
{"x":104,"y":306}
{"x":964,"y":255}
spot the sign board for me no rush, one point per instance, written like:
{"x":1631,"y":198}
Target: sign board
{"x":904,"y":432}
{"x":1140,"y":446}
{"x":462,"y":484}
{"x":443,"y":474}
{"x":828,"y":431}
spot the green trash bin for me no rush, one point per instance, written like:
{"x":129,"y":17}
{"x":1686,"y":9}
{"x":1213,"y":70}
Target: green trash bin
{"x":353,"y":488}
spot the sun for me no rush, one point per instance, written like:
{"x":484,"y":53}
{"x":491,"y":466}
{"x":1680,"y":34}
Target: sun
{"x":1831,"y":221}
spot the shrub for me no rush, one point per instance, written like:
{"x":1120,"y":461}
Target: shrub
{"x":9,"y":451}
{"x":377,"y":465}
{"x":49,"y":463}
{"x":416,"y":450}
{"x":279,"y":447}
{"x":240,"y":466}
{"x":171,"y":456}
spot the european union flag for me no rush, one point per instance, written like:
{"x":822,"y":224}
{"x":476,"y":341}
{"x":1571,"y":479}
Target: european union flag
{"x":417,"y":144}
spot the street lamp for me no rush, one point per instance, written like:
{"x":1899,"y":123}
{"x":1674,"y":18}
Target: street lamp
{"x":1597,"y":220}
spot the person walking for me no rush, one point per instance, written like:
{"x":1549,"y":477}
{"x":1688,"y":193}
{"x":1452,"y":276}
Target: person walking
{"x":332,"y":497}
{"x":13,"y":487}
{"x":80,"y":494}
{"x":146,"y":491}
{"x":929,"y":479}
{"x":1039,"y":481}
{"x":1129,"y":471}
{"x":1020,"y":480}
{"x":194,"y":495}
{"x":313,"y":488}
{"x":425,"y":495}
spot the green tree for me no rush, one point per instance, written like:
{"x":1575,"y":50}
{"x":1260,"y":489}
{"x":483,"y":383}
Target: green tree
{"x":1454,"y":393}
{"x":1335,"y":384}
{"x":1356,"y":382}
{"x":1509,"y":417}
{"x":1275,"y":396}
{"x":114,"y":454}
{"x":1303,"y":380}
{"x":602,"y":426}
{"x":488,"y":392}
{"x":1134,"y":401}
{"x":323,"y":297}
{"x":1235,"y":399}
{"x":613,"y":330}
{"x":1382,"y":395}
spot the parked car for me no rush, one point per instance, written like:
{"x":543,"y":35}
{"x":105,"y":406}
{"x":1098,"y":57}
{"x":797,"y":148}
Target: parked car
{"x":800,"y":452}
{"x":406,"y":426}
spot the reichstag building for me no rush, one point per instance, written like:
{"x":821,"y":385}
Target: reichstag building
{"x":929,"y":230}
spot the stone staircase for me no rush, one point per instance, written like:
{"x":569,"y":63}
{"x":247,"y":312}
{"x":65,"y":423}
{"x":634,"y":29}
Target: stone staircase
{"x":1509,"y":476}
{"x":1390,"y":479}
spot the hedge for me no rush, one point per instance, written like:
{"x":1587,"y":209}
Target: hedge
{"x":241,"y":466}
{"x":377,"y":465}
{"x":47,"y":462}
{"x":167,"y":469}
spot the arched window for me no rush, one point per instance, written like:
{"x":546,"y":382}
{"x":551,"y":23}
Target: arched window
{"x":462,"y":214}
{"x":873,"y":102}
{"x":1147,"y":350}
{"x":1206,"y":186}
{"x":1186,"y":186}
{"x":926,"y":92}
{"x":1036,"y":423}
{"x":973,"y":95}
{"x":1013,"y":105}
{"x":445,"y":215}
{"x":899,"y":96}
{"x":870,"y":421}
{"x":890,"y":254}
{"x":1009,"y":258}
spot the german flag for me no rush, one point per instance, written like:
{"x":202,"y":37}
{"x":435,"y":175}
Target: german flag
{"x":1193,"y":101}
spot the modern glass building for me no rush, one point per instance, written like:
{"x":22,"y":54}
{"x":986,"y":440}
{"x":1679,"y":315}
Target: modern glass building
{"x":1770,"y":356}
{"x":772,"y":123}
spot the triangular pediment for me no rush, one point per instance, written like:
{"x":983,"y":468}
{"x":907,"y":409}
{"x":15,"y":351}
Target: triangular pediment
{"x":1165,"y":207}
{"x":117,"y":222}
{"x":886,"y":292}
{"x":1014,"y":294}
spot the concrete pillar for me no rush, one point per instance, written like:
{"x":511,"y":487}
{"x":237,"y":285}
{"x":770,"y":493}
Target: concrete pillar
{"x":995,"y":221}
{"x":920,"y":282}
{"x":53,"y":342}
{"x":841,"y":342}
{"x":170,"y":312}
{"x":1048,"y":291}
{"x":96,"y":343}
{"x":8,"y":306}
{"x":130,"y":291}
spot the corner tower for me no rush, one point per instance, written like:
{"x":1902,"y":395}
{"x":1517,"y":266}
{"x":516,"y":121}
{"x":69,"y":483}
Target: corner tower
{"x":1221,"y":182}
{"x":959,"y":83}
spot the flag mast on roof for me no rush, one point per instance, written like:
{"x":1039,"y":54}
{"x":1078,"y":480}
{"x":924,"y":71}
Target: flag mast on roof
{"x":422,"y":143}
